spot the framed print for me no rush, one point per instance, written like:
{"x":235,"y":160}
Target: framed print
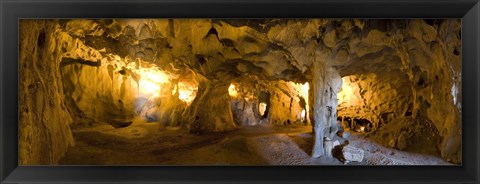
{"x":239,"y":91}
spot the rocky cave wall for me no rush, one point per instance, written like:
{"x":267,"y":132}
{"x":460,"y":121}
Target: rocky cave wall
{"x":44,"y":118}
{"x":283,"y":107}
{"x":113,"y":94}
{"x":436,"y":84}
{"x":287,"y":101}
{"x":421,"y":80}
{"x":86,"y":54}
{"x":378,"y":98}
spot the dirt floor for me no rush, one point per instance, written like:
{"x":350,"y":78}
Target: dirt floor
{"x":150,"y":144}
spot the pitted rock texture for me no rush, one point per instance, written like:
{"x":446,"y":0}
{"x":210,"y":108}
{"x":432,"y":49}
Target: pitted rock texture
{"x":284,"y":102}
{"x":377,"y":98}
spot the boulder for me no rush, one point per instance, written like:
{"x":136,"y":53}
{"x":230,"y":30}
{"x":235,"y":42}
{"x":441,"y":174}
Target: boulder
{"x":352,"y":154}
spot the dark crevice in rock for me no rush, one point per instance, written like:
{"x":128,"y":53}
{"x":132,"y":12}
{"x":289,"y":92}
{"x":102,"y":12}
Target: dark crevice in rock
{"x":41,"y":39}
{"x":68,"y":61}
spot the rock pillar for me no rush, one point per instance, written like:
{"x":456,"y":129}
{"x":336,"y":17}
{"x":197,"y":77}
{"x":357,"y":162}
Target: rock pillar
{"x":326,"y":82}
{"x":210,"y":111}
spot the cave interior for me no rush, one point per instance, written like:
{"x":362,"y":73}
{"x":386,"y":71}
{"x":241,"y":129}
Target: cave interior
{"x":240,"y":91}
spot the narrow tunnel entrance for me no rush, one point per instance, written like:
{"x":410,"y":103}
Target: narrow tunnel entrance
{"x":303,"y":113}
{"x":358,"y":125}
{"x":264,"y":105}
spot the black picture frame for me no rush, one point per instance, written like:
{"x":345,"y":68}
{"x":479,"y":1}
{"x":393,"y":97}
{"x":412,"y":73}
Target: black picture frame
{"x":12,"y":11}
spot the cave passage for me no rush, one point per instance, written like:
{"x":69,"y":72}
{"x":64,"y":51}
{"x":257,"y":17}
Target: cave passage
{"x":240,"y":92}
{"x":264,"y":99}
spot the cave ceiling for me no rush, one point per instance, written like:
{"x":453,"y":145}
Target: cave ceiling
{"x":266,"y":49}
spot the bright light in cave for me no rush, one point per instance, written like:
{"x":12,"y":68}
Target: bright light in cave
{"x":186,"y":92}
{"x":304,"y":91}
{"x":151,"y":80}
{"x":301,"y":89}
{"x":232,"y":91}
{"x":262,"y":108}
{"x":303,"y":115}
{"x":346,"y":93}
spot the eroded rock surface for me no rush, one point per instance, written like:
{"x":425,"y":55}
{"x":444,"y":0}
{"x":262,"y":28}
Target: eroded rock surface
{"x":44,"y":118}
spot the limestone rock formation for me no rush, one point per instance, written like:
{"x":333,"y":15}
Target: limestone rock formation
{"x":44,"y":117}
{"x":210,"y":111}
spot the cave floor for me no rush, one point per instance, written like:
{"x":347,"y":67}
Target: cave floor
{"x":150,"y":144}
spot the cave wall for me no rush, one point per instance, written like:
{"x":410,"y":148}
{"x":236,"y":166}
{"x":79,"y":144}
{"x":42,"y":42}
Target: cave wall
{"x":435,"y":66}
{"x":44,"y":119}
{"x":245,"y":112}
{"x":245,"y":104}
{"x":285,"y":105}
{"x":423,"y":56}
{"x":114,"y":95}
{"x":287,"y":102}
{"x":379,"y":98}
{"x":285,"y":109}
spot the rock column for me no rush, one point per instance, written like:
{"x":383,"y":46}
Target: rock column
{"x":210,"y":111}
{"x":326,"y":83}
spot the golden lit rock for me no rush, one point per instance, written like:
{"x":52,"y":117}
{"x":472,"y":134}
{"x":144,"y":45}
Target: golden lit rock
{"x":232,"y":91}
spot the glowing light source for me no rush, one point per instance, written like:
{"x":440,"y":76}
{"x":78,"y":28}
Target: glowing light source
{"x":148,"y":87}
{"x":303,"y":115}
{"x":232,"y":91}
{"x":346,"y":93}
{"x":187,"y":92}
{"x":301,"y":89}
{"x":304,"y":91}
{"x":262,"y":107}
{"x":151,"y":80}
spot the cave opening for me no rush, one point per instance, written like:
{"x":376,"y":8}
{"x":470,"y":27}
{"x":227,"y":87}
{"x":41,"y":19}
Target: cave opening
{"x":264,"y":99}
{"x":209,"y":92}
{"x":358,"y":125}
